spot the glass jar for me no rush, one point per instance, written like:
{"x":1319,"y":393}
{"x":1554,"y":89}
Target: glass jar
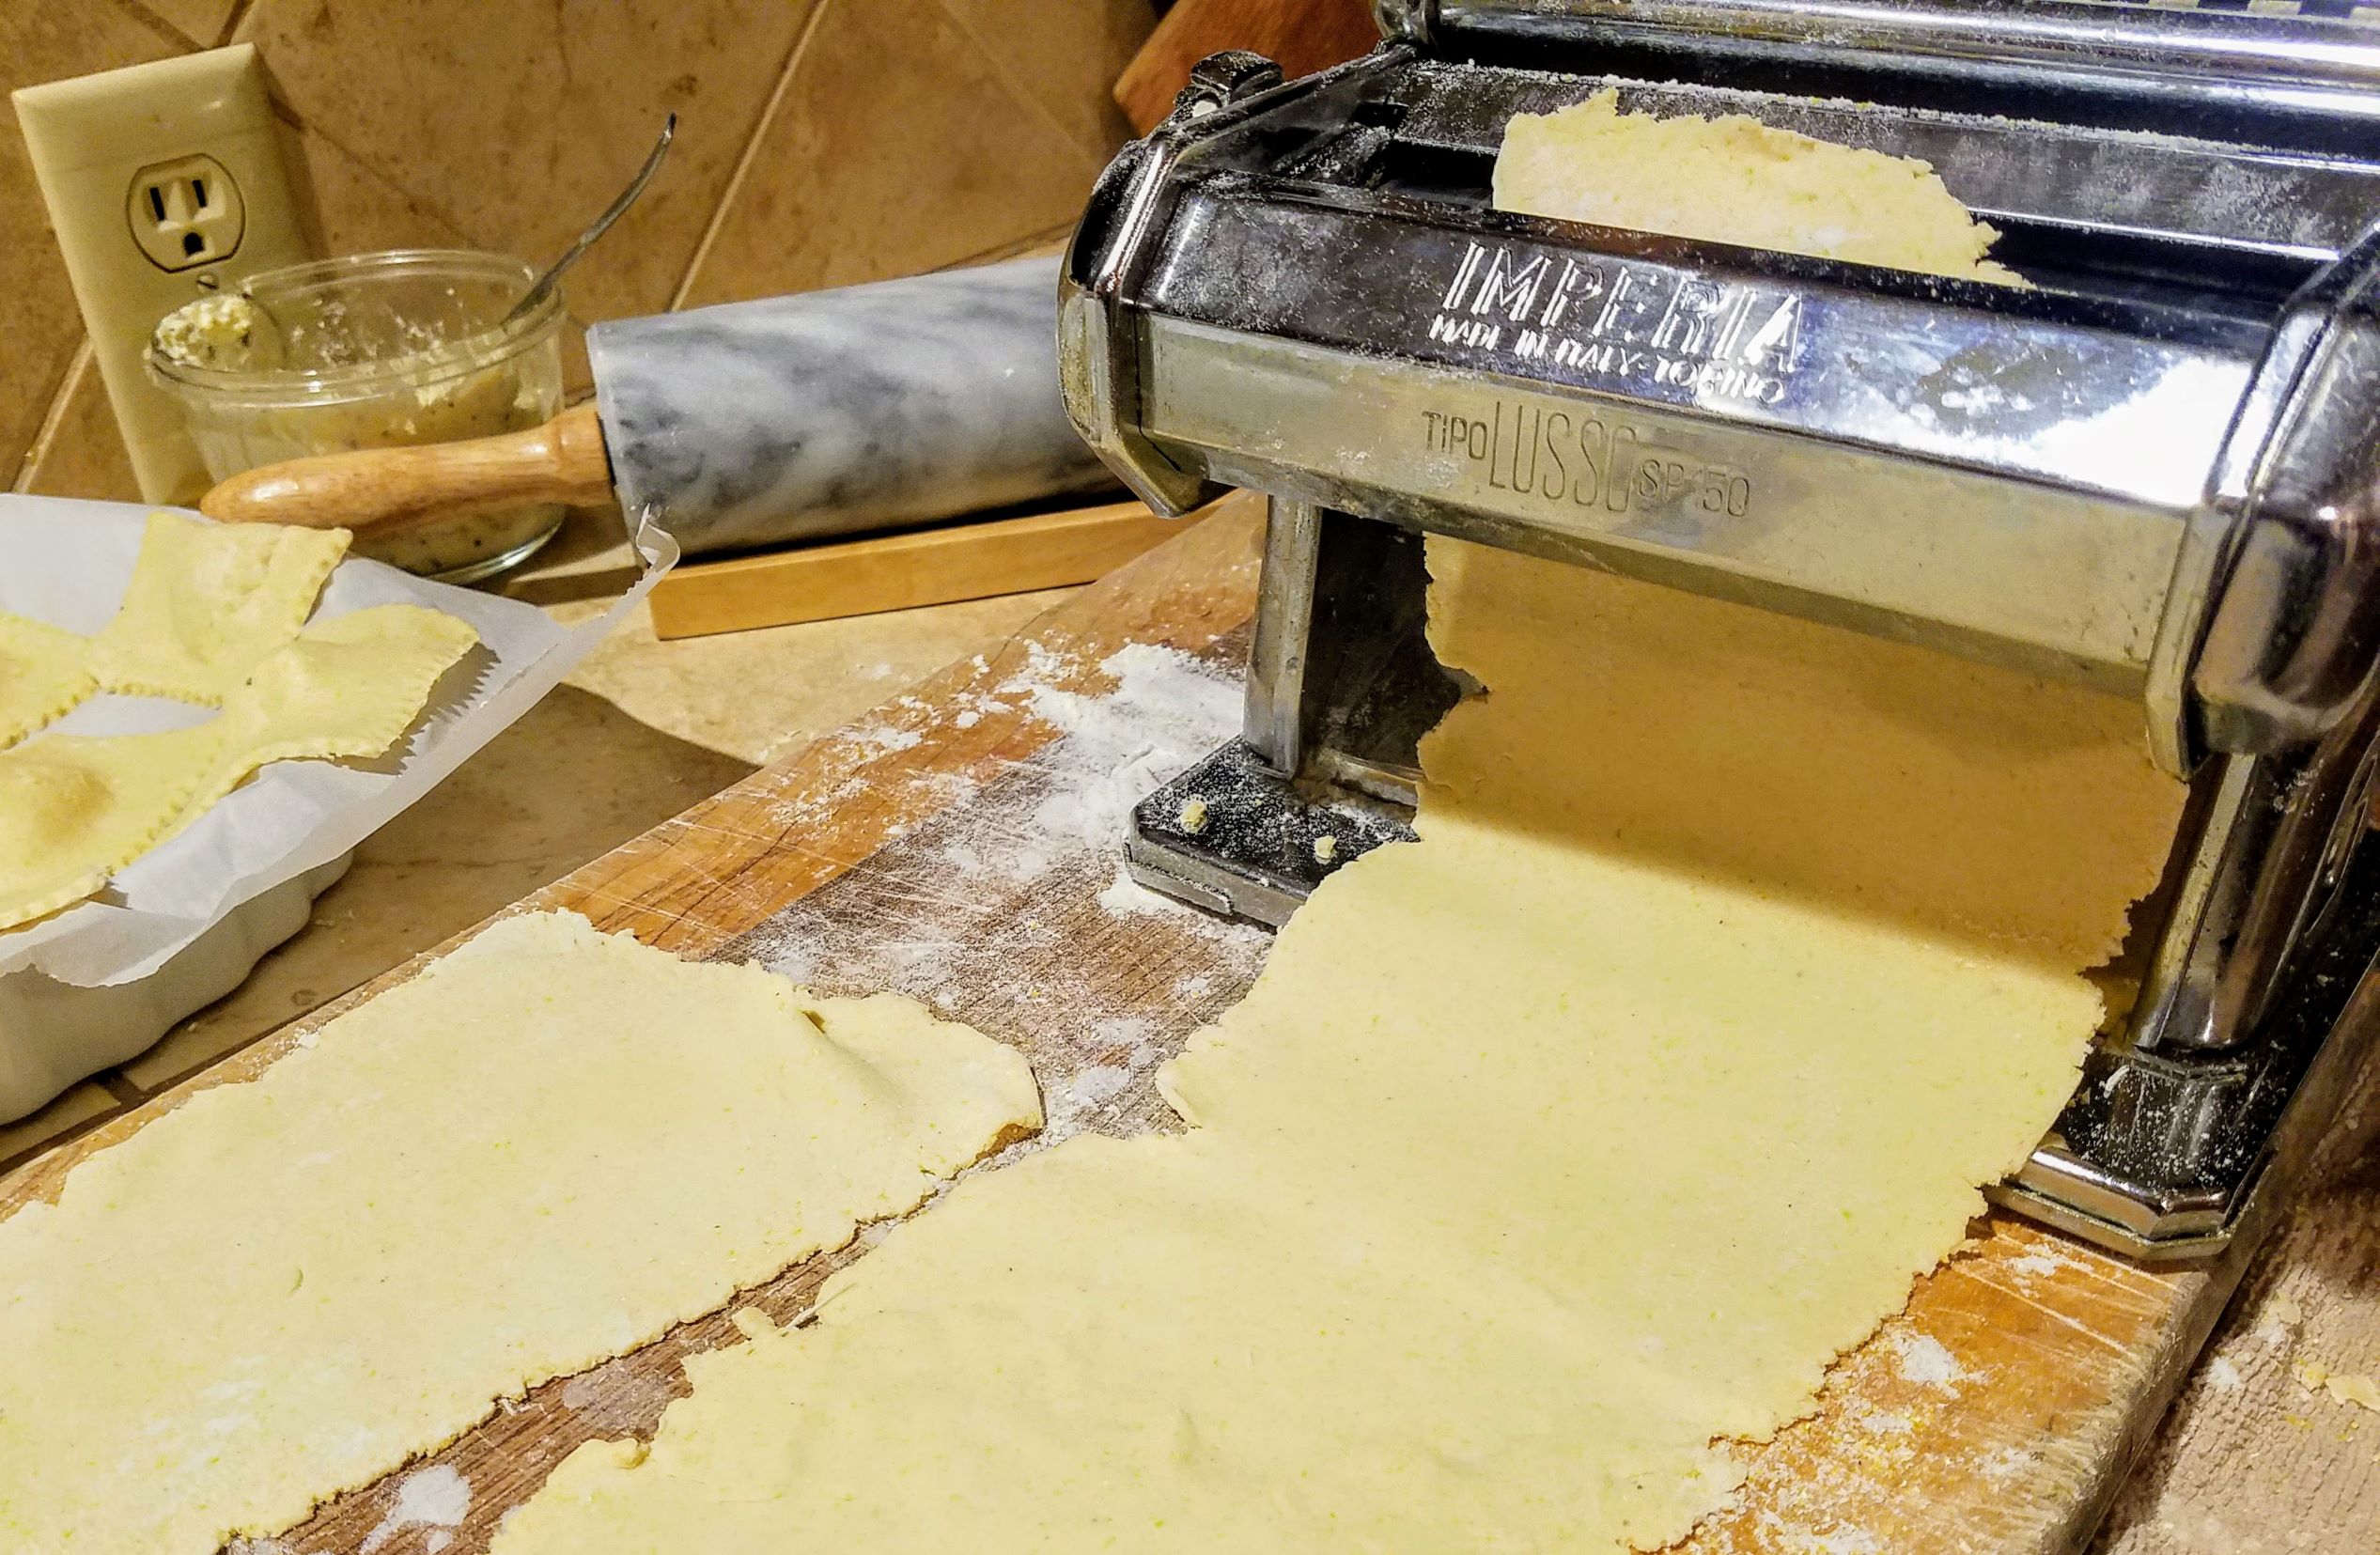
{"x":375,"y":350}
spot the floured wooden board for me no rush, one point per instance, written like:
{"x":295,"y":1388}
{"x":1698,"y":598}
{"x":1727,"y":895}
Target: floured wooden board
{"x":961,"y":846}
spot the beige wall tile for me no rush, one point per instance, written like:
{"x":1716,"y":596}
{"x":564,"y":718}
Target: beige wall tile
{"x":84,"y":455}
{"x":895,"y":148}
{"x":518,"y":122}
{"x":352,"y":209}
{"x":200,"y":21}
{"x":39,"y":323}
{"x":1064,"y":57}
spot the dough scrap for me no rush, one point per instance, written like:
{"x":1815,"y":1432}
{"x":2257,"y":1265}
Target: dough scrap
{"x":1549,"y":1153}
{"x":1733,"y":179}
{"x":549,"y":1147}
{"x":75,"y":808}
{"x":43,"y":674}
{"x":206,"y":601}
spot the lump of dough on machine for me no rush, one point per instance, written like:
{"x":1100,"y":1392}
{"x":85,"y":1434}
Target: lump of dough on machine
{"x":1735,"y":180}
{"x":546,"y":1148}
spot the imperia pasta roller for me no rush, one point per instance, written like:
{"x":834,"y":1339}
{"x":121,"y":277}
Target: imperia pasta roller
{"x":2152,"y":472}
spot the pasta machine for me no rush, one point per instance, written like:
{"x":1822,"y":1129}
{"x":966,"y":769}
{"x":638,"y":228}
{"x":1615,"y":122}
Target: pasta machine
{"x":2152,"y":472}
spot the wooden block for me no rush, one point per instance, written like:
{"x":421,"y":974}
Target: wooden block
{"x":1300,"y":36}
{"x":924,"y":566}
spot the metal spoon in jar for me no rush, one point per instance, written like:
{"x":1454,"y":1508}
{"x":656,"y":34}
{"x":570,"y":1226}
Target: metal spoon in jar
{"x":544,"y":285}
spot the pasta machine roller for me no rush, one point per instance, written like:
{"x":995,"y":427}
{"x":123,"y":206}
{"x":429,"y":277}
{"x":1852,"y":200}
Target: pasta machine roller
{"x":2152,"y":472}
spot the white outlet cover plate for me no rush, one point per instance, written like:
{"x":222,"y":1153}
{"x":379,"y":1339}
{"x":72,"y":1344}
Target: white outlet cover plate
{"x":97,"y":142}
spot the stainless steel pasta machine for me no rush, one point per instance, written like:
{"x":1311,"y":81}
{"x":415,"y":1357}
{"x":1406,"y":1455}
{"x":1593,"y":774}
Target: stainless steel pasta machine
{"x":2154,"y":472}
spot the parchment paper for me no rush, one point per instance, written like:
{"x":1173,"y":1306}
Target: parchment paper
{"x":67,"y":562}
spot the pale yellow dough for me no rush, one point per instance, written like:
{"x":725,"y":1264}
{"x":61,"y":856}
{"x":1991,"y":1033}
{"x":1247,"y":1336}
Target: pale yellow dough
{"x":208,"y":602}
{"x":1735,"y":180}
{"x":74,"y":809}
{"x":550,"y":1147}
{"x":1548,"y":1154}
{"x":347,"y":687}
{"x":43,"y":674}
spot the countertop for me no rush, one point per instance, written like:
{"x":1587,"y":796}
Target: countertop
{"x":2252,"y":1460}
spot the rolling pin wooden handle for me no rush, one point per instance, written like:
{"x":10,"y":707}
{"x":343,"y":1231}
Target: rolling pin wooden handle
{"x":378,"y":490}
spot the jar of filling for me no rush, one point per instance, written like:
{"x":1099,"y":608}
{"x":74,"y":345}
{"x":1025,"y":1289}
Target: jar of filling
{"x":375,"y":350}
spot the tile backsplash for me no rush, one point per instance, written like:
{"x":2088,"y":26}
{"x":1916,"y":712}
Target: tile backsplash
{"x":820,"y":143}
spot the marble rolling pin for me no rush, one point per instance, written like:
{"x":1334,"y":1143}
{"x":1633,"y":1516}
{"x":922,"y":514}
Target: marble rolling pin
{"x":754,"y":424}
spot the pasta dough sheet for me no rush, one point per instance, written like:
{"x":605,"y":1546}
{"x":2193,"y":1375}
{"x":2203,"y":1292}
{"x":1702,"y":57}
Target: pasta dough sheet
{"x":550,"y":1147}
{"x":1551,"y":1156}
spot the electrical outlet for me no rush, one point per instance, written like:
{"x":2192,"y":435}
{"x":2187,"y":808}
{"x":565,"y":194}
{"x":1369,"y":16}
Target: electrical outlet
{"x":165,"y":183}
{"x":186,"y":212}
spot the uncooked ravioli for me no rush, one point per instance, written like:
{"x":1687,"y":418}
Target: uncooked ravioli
{"x":74,"y":808}
{"x":43,"y":674}
{"x":206,"y":601}
{"x":350,"y":686}
{"x":1550,"y":1153}
{"x":550,"y":1147}
{"x":82,"y":807}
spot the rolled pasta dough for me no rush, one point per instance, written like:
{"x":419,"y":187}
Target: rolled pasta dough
{"x":550,"y":1147}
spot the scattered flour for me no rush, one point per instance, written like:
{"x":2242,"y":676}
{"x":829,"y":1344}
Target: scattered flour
{"x":881,"y":738}
{"x":2282,"y":1317}
{"x":435,"y":1497}
{"x":1847,"y":1540}
{"x":2039,"y":1262}
{"x":2222,"y":1376}
{"x":1070,"y":1106}
{"x":2006,"y":1463}
{"x":615,"y":1400}
{"x":1166,"y":711}
{"x":972,"y":889}
{"x":1127,"y":897}
{"x":1923,"y":1359}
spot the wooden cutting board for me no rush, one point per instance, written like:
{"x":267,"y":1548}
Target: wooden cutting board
{"x":921,"y":850}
